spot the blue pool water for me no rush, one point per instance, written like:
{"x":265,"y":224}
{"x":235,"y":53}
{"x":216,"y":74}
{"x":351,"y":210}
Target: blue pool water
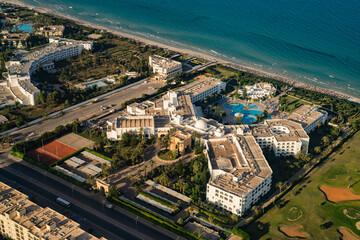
{"x":100,"y":84}
{"x":249,"y":114}
{"x":24,"y":28}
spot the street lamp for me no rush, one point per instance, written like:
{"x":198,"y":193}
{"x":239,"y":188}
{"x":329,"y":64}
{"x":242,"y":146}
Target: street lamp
{"x":44,"y":175}
{"x":72,"y":189}
{"x":136,"y":224}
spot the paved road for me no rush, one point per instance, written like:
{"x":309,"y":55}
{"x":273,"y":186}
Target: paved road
{"x":116,"y":222}
{"x":88,"y":110}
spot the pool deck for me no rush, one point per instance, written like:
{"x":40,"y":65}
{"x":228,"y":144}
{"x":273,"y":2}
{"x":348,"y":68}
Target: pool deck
{"x":231,"y":120}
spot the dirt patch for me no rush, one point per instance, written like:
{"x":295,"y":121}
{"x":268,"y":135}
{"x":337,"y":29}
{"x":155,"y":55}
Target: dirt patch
{"x":347,"y":234}
{"x":357,"y":224}
{"x":293,"y":231}
{"x":339,"y":194}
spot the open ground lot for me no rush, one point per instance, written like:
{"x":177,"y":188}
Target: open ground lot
{"x":306,"y":207}
{"x":60,"y":148}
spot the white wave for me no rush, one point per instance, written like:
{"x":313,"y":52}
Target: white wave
{"x":213,"y":51}
{"x":331,"y":76}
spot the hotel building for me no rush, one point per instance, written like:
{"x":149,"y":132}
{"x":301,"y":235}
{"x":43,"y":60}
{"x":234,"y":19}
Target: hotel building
{"x":310,"y":117}
{"x":21,"y":70}
{"x":284,"y":137}
{"x":202,"y":88}
{"x":164,"y":68}
{"x":259,"y":90}
{"x":240,"y":174}
{"x":21,"y":219}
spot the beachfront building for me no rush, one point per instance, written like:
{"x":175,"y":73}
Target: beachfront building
{"x":20,"y":71}
{"x":51,"y":31}
{"x":164,"y":68}
{"x":147,"y":125}
{"x":283,"y":136}
{"x":22,"y":219}
{"x":310,"y":117}
{"x":259,"y":90}
{"x":202,"y":88}
{"x":240,"y":174}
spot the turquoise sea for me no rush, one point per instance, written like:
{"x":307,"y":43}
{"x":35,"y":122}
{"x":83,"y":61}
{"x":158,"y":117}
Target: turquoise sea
{"x":313,"y":41}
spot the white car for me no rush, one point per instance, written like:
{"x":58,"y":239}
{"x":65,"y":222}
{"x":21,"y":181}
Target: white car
{"x":109,"y":206}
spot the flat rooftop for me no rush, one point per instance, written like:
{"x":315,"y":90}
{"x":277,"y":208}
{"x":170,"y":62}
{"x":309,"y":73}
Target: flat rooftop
{"x":164,"y":62}
{"x":242,"y":163}
{"x":292,"y":131}
{"x":306,"y":115}
{"x":42,"y":222}
{"x":199,"y":86}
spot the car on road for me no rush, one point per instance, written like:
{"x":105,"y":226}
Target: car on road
{"x":109,"y":206}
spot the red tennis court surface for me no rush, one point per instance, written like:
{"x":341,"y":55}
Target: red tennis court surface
{"x":51,"y":152}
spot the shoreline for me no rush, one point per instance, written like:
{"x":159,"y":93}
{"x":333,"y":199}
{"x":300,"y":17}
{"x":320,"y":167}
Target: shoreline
{"x":280,"y":78}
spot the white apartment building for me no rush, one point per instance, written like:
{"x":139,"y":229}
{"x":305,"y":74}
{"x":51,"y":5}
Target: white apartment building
{"x":240,"y":174}
{"x":310,"y":117}
{"x":259,"y":90}
{"x":164,"y":68}
{"x":21,"y":219}
{"x":21,"y":70}
{"x":202,"y":88}
{"x":283,"y":136}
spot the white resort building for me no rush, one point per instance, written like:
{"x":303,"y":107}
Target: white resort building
{"x":310,"y":117}
{"x":164,"y":68}
{"x":240,"y":174}
{"x":259,"y":90}
{"x":21,"y":70}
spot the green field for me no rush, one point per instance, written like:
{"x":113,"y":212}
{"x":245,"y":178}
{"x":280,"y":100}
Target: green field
{"x":306,"y":205}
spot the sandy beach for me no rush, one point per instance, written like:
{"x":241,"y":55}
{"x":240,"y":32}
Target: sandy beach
{"x":254,"y":71}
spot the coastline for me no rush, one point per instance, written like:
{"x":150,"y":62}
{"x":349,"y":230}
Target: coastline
{"x":210,"y":58}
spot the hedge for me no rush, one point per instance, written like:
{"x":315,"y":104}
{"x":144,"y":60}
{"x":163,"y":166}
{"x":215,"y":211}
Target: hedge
{"x":159,"y":200}
{"x":241,"y":233}
{"x":98,"y":154}
{"x":152,"y":218}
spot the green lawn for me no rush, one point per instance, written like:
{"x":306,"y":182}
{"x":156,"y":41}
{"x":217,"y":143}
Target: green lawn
{"x":315,"y":209}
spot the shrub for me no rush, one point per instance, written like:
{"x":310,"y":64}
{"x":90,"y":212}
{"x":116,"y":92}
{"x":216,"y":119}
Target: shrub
{"x":241,"y":233}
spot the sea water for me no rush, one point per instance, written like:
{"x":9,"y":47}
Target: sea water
{"x":312,"y":41}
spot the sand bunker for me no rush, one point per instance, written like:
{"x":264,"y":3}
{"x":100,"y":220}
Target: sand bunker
{"x":351,"y":213}
{"x":347,"y":234}
{"x":293,"y":231}
{"x":339,"y":194}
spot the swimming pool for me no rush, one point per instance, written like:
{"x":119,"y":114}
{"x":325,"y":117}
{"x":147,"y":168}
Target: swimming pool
{"x":24,"y":28}
{"x":249,"y":115}
{"x":100,"y":83}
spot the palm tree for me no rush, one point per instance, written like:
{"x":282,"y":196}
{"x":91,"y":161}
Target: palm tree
{"x":234,"y":218}
{"x":182,"y":185}
{"x":199,"y":232}
{"x":144,"y":167}
{"x":211,"y":219}
{"x":280,"y":185}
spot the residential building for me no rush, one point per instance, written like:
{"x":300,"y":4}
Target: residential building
{"x":164,"y":68}
{"x":259,"y":90}
{"x":21,"y":70}
{"x":310,"y":117}
{"x":51,"y":31}
{"x":240,"y":174}
{"x":21,"y":219}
